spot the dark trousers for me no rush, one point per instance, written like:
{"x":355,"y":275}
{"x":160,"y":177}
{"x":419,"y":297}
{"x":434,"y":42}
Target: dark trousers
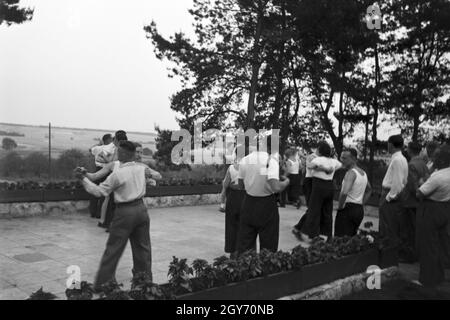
{"x":131,"y":221}
{"x":110,"y":211}
{"x":95,"y":204}
{"x":294,"y":188}
{"x":307,"y":188}
{"x":390,"y":218}
{"x":348,"y":220}
{"x":433,"y":241}
{"x":408,"y":234}
{"x":259,"y":217}
{"x":319,"y":219}
{"x":232,"y":218}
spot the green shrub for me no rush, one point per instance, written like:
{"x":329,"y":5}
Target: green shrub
{"x":12,"y":165}
{"x":8,"y":144}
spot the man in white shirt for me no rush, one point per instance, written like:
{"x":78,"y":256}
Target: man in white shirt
{"x":97,"y":151}
{"x":131,"y":220}
{"x":355,"y":192}
{"x":259,"y":176}
{"x":392,"y":195}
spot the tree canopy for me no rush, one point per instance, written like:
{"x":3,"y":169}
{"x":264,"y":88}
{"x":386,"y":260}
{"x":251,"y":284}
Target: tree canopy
{"x":311,"y":68}
{"x":12,"y":13}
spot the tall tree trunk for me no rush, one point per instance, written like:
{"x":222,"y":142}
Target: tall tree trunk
{"x":278,"y":104}
{"x":256,"y":65}
{"x":375,"y":114}
{"x":366,"y":135}
{"x":340,"y":140}
{"x":416,"y":120}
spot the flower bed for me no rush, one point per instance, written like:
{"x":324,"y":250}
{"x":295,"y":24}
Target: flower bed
{"x":73,"y":190}
{"x":252,"y":276}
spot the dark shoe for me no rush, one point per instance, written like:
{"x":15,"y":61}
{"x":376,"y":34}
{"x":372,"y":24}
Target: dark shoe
{"x":101,"y":225}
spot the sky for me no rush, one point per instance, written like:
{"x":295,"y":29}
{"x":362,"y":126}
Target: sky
{"x":88,"y":64}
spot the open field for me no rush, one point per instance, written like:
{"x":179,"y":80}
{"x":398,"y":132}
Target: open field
{"x":36,"y":138}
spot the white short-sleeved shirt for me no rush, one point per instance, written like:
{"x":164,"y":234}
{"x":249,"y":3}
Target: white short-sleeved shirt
{"x":437,"y":187}
{"x":256,"y":170}
{"x":104,"y":150}
{"x":127,"y":182}
{"x":309,"y":158}
{"x":294,"y":167}
{"x":327,"y":163}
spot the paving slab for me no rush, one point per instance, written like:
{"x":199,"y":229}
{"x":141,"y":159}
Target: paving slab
{"x":36,"y":251}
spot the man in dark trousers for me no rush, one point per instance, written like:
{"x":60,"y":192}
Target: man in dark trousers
{"x":355,"y":193}
{"x":433,"y":222}
{"x":392,"y":195}
{"x":131,"y":220}
{"x":417,"y":174}
{"x":259,"y":176}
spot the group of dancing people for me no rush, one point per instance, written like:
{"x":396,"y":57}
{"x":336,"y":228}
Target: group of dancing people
{"x":414,"y":208}
{"x":254,"y":184}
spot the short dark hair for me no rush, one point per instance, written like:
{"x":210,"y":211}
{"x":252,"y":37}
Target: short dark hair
{"x":415,"y":147}
{"x":324,"y":149}
{"x":121,"y":136}
{"x":442,"y":159}
{"x":106,"y":137}
{"x":431,"y":148}
{"x":352,"y":152}
{"x":289,"y":152}
{"x":128,"y":146}
{"x":397,"y":141}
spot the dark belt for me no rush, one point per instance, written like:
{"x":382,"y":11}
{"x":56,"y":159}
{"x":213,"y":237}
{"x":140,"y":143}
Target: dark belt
{"x":130,"y":203}
{"x":262,"y":197}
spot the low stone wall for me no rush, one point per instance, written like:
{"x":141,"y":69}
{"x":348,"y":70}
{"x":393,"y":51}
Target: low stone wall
{"x":344,"y":287}
{"x":34,"y":209}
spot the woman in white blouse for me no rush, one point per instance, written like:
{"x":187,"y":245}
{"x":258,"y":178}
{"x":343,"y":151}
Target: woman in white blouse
{"x":319,"y":220}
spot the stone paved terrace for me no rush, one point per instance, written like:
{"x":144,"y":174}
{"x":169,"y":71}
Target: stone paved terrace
{"x":35,"y":252}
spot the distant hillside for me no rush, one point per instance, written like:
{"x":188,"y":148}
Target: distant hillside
{"x":35,"y":138}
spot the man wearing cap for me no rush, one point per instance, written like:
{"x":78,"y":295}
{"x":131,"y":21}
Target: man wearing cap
{"x":131,"y":220}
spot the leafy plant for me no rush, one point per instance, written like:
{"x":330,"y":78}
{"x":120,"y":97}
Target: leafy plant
{"x":86,"y":292}
{"x":42,"y":295}
{"x":143,"y":288}
{"x":180,"y":276}
{"x":113,"y":291}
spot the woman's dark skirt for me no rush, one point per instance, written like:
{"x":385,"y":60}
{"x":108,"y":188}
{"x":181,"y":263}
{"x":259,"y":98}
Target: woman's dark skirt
{"x":232,"y":217}
{"x":294,"y":188}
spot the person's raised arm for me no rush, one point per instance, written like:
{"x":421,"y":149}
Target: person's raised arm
{"x":347,"y":185}
{"x":153,"y":174}
{"x":104,"y":189}
{"x":103,"y":172}
{"x":316,"y":165}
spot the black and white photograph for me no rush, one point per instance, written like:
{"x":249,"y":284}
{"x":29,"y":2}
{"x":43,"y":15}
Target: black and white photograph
{"x":234,"y":157}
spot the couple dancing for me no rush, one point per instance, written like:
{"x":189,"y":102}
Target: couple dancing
{"x":127,"y":182}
